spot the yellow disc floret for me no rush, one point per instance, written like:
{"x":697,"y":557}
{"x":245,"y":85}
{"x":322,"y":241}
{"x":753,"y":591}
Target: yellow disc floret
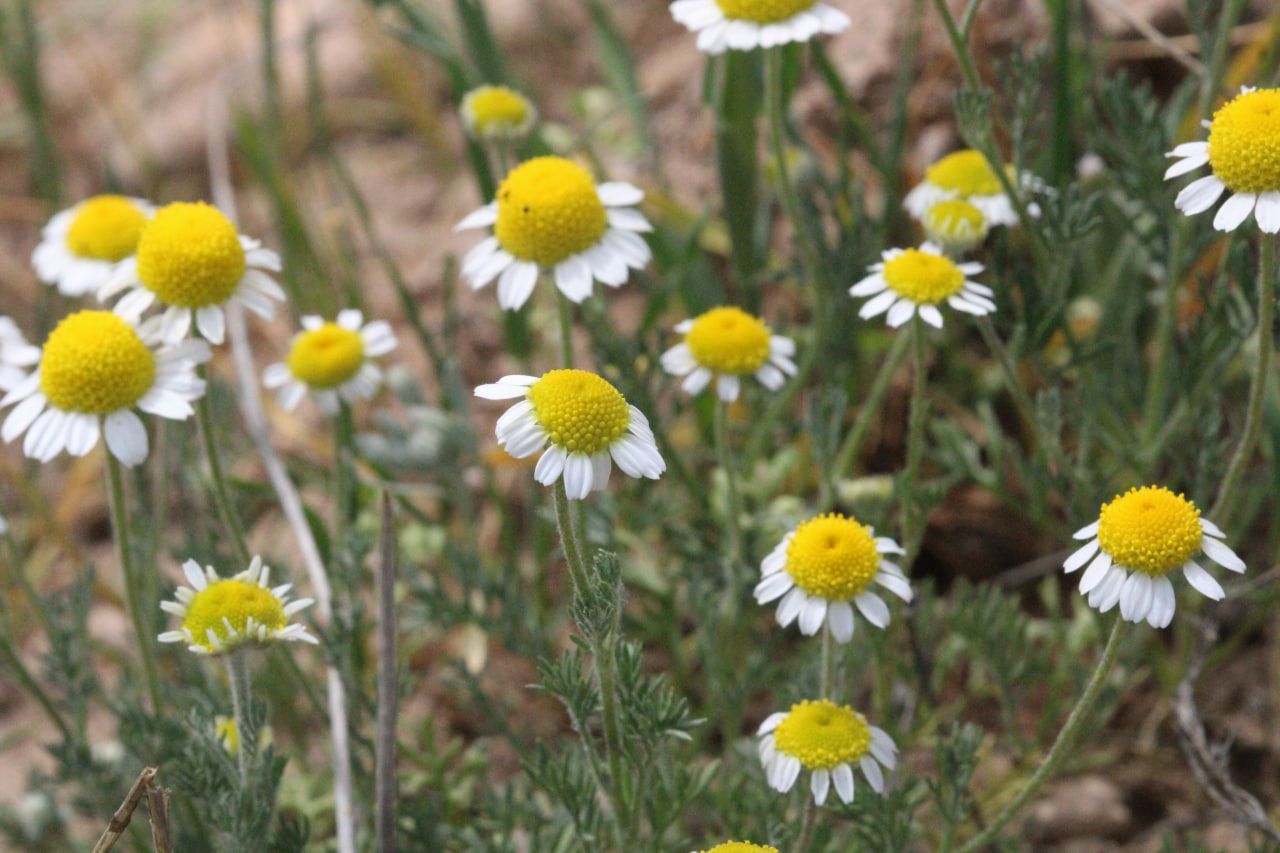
{"x":548,"y":210}
{"x":496,"y":110}
{"x":741,"y":847}
{"x":232,"y":602}
{"x":1244,"y":142}
{"x":326,"y":357}
{"x":580,"y":412}
{"x":1150,"y":529}
{"x":965,"y":172}
{"x":763,"y":11}
{"x":190,"y":256}
{"x":729,"y":340}
{"x":95,"y":363}
{"x":955,"y":224}
{"x":832,"y":557}
{"x":105,"y":228}
{"x":823,"y":734}
{"x":922,"y":277}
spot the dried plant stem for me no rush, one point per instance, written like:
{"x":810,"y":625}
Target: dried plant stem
{"x":388,"y":685}
{"x":132,"y":580}
{"x":123,"y":815}
{"x":1061,"y":746}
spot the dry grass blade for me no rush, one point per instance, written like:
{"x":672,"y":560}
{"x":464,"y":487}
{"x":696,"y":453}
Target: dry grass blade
{"x":123,"y":815}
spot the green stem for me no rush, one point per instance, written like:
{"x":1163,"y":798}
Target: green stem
{"x":566,"y":329}
{"x":217,"y":480}
{"x":1152,"y":418}
{"x":869,"y":412}
{"x":963,"y":56}
{"x":9,"y":654}
{"x":915,"y":446}
{"x":1064,"y":742}
{"x":238,"y":680}
{"x":1267,"y":274}
{"x":344,"y":484}
{"x":569,"y":537}
{"x":734,"y":508}
{"x":132,"y":582}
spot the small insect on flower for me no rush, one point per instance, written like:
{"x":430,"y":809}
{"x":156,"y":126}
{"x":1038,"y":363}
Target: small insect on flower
{"x":550,"y":215}
{"x":1137,"y":540}
{"x":747,"y":24}
{"x":81,"y":246}
{"x":823,"y":565}
{"x":1243,"y":154}
{"x":333,"y":360}
{"x":966,"y":175}
{"x":726,"y":344}
{"x":828,"y":740}
{"x":93,"y":371}
{"x":585,"y":421}
{"x":15,"y":354}
{"x":497,"y":113}
{"x":191,"y":261}
{"x":916,"y":281}
{"x":223,"y":614}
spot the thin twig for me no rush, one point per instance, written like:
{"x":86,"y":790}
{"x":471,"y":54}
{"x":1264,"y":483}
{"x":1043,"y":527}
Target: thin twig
{"x":158,"y":808}
{"x":120,"y":820}
{"x":388,"y":684}
{"x":1174,"y":51}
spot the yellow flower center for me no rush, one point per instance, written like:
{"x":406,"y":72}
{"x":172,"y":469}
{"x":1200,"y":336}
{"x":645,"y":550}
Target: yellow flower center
{"x":227,"y":732}
{"x":580,"y":411}
{"x":823,"y":734}
{"x":496,"y":108}
{"x":95,"y":363}
{"x":548,"y":210}
{"x":741,"y":847}
{"x":105,"y":228}
{"x":1244,"y":142}
{"x":763,"y":11}
{"x":924,"y":278}
{"x":966,"y":172}
{"x":236,"y":602}
{"x":729,"y":340}
{"x":955,"y":223}
{"x":190,"y":256}
{"x":832,"y":557}
{"x":326,"y":357}
{"x":1150,"y":529}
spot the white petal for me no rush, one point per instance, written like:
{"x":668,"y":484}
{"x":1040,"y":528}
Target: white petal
{"x":771,"y":722}
{"x":1198,"y":196}
{"x":1234,"y":211}
{"x":577,"y":475}
{"x":773,"y":586}
{"x":873,"y":608}
{"x":812,"y":615}
{"x":486,"y":215}
{"x":1163,"y":603}
{"x":696,"y":381}
{"x":573,"y":278}
{"x":606,"y":265}
{"x":550,"y":466}
{"x":126,"y":437}
{"x":600,"y":470}
{"x":842,"y":776}
{"x":1190,"y":149}
{"x":872,"y":771}
{"x":516,"y":283}
{"x":1087,"y":531}
{"x":1204,"y":582}
{"x":819,"y":784}
{"x":47,"y":436}
{"x":869,"y":286}
{"x":1136,"y":597}
{"x":839,"y":618}
{"x":1081,"y":556}
{"x":791,"y":605}
{"x":1186,"y":165}
{"x":22,"y":416}
{"x":628,"y":219}
{"x":728,"y":387}
{"x":897,"y":585}
{"x":83,"y":434}
{"x":1095,"y":573}
{"x":1268,"y":212}
{"x":507,"y":388}
{"x":931,"y":315}
{"x":1205,"y":524}
{"x":619,"y":194}
{"x":632,"y":248}
{"x":901,"y":312}
{"x":1220,"y":553}
{"x":878,"y":304}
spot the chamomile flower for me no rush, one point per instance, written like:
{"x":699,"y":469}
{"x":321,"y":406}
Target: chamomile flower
{"x":824,"y":568}
{"x":550,"y":215}
{"x":748,"y":24}
{"x":228,"y":734}
{"x":1243,"y":154}
{"x":967,"y":176}
{"x":191,"y":261}
{"x":497,"y":113}
{"x":81,"y":246}
{"x":1137,"y":540}
{"x":585,"y":421}
{"x":94,"y":370}
{"x":726,"y":344}
{"x":333,"y":360}
{"x":222,"y":614}
{"x":15,"y":354}
{"x":955,"y":225}
{"x":916,"y":281}
{"x":828,"y":740}
{"x":739,"y":847}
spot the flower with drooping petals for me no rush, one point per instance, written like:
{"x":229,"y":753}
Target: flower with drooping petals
{"x":550,"y":215}
{"x":747,"y":24}
{"x":333,"y":360}
{"x":828,"y":740}
{"x":585,"y":421}
{"x":191,"y":261}
{"x":966,"y":175}
{"x":497,"y":113}
{"x":1137,"y":540}
{"x":81,"y":246}
{"x":908,"y":282}
{"x":955,"y":225}
{"x":726,"y":344}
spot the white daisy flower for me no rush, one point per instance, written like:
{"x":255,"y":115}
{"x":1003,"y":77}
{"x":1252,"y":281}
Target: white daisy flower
{"x":828,"y":740}
{"x":222,"y":614}
{"x":915,"y":281}
{"x":80,"y":247}
{"x":333,"y":360}
{"x":585,"y":421}
{"x":966,"y":175}
{"x":94,"y":370}
{"x":1243,"y":154}
{"x":747,"y":24}
{"x":824,"y":568}
{"x":550,"y":215}
{"x":15,"y":354}
{"x":497,"y":113}
{"x":191,"y":261}
{"x":726,"y":344}
{"x":1137,"y":540}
